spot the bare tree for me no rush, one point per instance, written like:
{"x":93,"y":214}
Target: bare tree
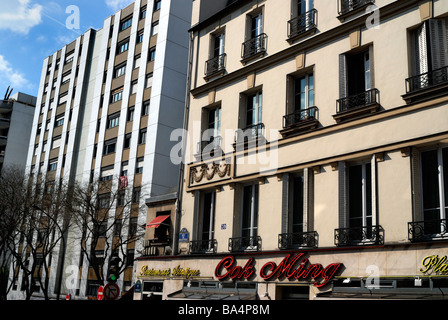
{"x":105,"y":214}
{"x":35,"y":215}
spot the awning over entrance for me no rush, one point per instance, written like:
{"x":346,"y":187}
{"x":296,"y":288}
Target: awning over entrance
{"x":157,"y":222}
{"x":193,"y":294}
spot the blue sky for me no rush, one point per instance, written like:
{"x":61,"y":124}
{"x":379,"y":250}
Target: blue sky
{"x":31,"y":30}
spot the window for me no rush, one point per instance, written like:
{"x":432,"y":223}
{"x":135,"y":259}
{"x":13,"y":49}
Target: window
{"x":136,"y":195}
{"x":134,"y":86}
{"x":126,"y":24}
{"x":154,"y":28}
{"x":145,"y":109}
{"x":249,"y":210}
{"x":53,"y":164}
{"x":140,"y":37}
{"x":113,"y":120}
{"x":254,"y":109}
{"x":103,"y":203}
{"x":69,"y":57}
{"x":63,"y":98}
{"x":256,"y":39}
{"x":212,"y":129}
{"x":59,"y":120}
{"x":157,"y":5}
{"x":139,"y":165}
{"x":152,"y":54}
{"x":357,"y":205}
{"x":347,"y":6}
{"x":107,"y":173}
{"x":117,"y":95}
{"x":137,"y":61}
{"x":148,"y":81}
{"x":124,"y":168}
{"x":143,"y":13}
{"x":207,"y":217}
{"x":429,"y":44}
{"x":434,"y":189}
{"x":130,"y":115}
{"x":120,"y":70}
{"x":142,"y":136}
{"x":217,"y":60}
{"x":304,"y":92}
{"x":123,"y":46}
{"x":296,"y":210}
{"x":109,"y":146}
{"x":56,"y":143}
{"x":66,"y":77}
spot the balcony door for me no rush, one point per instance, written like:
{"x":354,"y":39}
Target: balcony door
{"x":208,"y":215}
{"x":303,"y":92}
{"x":358,"y":73}
{"x":254,"y":109}
{"x":303,"y":6}
{"x":360,"y":197}
{"x":249,"y":223}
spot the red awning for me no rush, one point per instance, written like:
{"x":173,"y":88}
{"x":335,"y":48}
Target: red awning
{"x":157,"y":222}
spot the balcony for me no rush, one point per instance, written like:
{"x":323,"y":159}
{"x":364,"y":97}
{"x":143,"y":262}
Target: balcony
{"x":359,"y":236}
{"x":203,"y":246}
{"x":349,"y":7}
{"x":215,"y":66}
{"x":427,"y":85}
{"x":4,"y":123}
{"x":156,"y":247}
{"x":242,"y":244}
{"x":356,"y":105}
{"x":297,"y":240}
{"x":5,"y":106}
{"x":428,"y":230}
{"x":302,"y":25}
{"x":250,"y":135}
{"x":300,"y":120}
{"x":3,"y":140}
{"x":254,"y":47}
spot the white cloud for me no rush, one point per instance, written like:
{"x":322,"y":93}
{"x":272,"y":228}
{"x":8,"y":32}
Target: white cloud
{"x":118,"y":4}
{"x":12,"y":77}
{"x":19,"y":15}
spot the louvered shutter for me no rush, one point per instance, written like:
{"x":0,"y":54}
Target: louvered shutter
{"x":437,"y":31}
{"x":342,"y":76}
{"x":421,"y":48}
{"x":285,"y":203}
{"x":416,"y":183}
{"x":342,"y":194}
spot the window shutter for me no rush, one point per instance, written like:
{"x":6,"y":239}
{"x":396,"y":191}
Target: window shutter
{"x":285,"y":202}
{"x":416,"y":183}
{"x":342,"y":76}
{"x":306,"y":186}
{"x":197,"y":198}
{"x":342,"y":194}
{"x":437,"y":30}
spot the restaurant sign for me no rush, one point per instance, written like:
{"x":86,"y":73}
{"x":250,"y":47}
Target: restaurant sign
{"x":291,"y":268}
{"x":435,"y":264}
{"x":178,"y":271}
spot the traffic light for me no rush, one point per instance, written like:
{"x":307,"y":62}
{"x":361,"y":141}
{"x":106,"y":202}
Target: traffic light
{"x":113,"y":272}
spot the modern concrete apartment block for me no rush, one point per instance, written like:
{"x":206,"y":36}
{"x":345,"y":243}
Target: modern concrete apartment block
{"x":16,"y":119}
{"x":107,"y":104}
{"x":317,"y":153}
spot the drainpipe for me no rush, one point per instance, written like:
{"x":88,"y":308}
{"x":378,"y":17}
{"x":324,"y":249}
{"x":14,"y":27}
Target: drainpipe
{"x":178,"y":214}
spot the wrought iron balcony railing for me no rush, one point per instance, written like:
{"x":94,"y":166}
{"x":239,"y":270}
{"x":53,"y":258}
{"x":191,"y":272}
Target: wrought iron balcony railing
{"x":347,"y":6}
{"x":302,"y":23}
{"x":251,"y":132}
{"x":356,"y":101}
{"x":427,"y":80}
{"x":300,"y":116}
{"x":372,"y":235}
{"x":254,"y":46}
{"x":203,"y":246}
{"x":427,"y":230}
{"x":156,"y":247}
{"x":296,"y":240}
{"x":215,"y":65}
{"x":245,"y":244}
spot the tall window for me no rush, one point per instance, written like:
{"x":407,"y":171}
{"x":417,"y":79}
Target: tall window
{"x":304,"y":92}
{"x":249,"y":223}
{"x":256,"y":27}
{"x":434,"y":176}
{"x":296,"y":212}
{"x":429,"y":53}
{"x":212,"y":128}
{"x":360,"y":196}
{"x":254,"y":109}
{"x":303,"y":6}
{"x":208,"y":213}
{"x":357,"y":71}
